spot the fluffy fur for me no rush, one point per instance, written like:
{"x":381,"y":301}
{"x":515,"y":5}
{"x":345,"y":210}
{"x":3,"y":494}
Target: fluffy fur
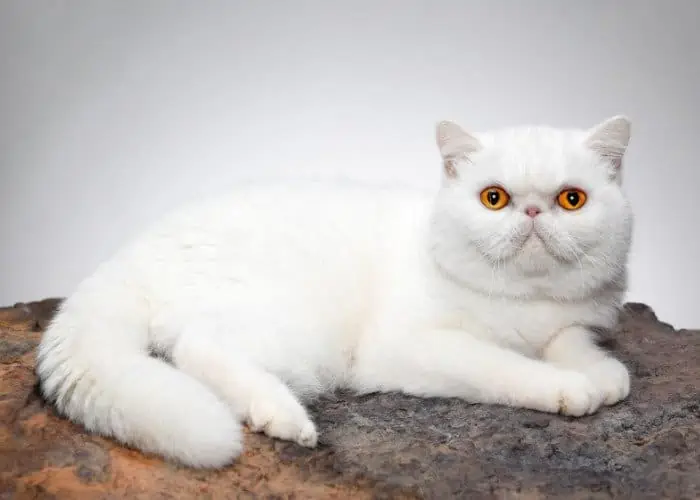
{"x":277,"y":293}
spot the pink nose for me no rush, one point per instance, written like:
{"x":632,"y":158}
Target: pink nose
{"x":532,"y":211}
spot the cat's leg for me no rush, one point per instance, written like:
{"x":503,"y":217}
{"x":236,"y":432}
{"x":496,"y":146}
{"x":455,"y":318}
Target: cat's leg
{"x":257,"y":396}
{"x":574,"y":348}
{"x":452,"y":363}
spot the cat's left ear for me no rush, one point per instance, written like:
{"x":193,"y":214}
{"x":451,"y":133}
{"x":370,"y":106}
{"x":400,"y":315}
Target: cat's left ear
{"x":455,"y":144}
{"x":610,"y":139}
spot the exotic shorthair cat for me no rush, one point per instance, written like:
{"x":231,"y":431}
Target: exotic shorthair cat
{"x":487,"y":290}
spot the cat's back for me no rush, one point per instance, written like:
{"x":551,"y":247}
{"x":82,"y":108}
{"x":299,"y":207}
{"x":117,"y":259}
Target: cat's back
{"x":297,"y":211}
{"x":298,"y":231}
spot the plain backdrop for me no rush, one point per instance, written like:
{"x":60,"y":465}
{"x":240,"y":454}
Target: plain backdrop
{"x":113,"y":112}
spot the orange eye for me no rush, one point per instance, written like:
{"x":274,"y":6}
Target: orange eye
{"x":494,"y":198}
{"x":571,"y":199}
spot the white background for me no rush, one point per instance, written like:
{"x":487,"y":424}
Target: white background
{"x":115,"y":111}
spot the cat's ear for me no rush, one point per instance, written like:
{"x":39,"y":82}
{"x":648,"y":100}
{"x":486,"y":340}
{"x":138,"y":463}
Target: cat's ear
{"x":610,"y":139}
{"x":455,"y":144}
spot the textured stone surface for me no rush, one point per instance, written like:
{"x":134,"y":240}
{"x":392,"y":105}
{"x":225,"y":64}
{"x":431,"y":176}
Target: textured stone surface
{"x":386,"y":446}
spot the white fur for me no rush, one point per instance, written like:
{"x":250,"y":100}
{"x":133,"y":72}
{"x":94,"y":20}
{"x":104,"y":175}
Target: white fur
{"x":280,"y":292}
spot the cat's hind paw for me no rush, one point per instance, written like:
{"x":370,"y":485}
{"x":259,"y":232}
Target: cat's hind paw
{"x":308,"y":436}
{"x":285,"y":420}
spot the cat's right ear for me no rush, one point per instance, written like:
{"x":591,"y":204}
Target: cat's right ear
{"x":610,"y":139}
{"x":455,"y":145}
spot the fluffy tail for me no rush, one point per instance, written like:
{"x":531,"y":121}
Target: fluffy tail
{"x":93,"y":363}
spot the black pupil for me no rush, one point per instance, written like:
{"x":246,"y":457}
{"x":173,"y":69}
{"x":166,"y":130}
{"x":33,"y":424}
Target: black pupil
{"x":494,"y":196}
{"x":572,"y":197}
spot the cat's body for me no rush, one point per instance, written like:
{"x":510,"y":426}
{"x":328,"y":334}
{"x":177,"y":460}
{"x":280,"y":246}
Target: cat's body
{"x":276,"y":293}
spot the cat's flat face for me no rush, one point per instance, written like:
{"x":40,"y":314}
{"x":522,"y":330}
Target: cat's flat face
{"x":538,"y":204}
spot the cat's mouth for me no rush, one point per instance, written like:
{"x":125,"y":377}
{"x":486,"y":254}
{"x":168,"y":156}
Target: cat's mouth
{"x":537,"y":242}
{"x":530,"y":246}
{"x":534,"y":240}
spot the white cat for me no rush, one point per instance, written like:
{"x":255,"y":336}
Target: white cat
{"x":484,"y":291}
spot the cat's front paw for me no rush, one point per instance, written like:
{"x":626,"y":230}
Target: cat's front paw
{"x":576,"y":395}
{"x":612,"y":379}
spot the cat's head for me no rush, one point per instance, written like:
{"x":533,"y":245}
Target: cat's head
{"x":534,"y":210}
